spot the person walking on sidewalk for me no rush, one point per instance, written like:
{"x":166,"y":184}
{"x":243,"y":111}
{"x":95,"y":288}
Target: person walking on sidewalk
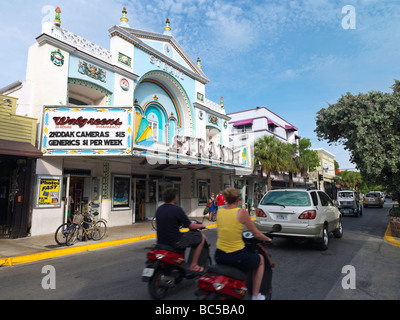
{"x":211,"y":204}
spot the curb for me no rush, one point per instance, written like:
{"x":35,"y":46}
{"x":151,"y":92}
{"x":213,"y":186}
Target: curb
{"x":71,"y":250}
{"x":62,"y":252}
{"x":388,"y":237}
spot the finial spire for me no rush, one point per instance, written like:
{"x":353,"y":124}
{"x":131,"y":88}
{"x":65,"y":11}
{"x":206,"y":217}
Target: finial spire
{"x":198,"y":62}
{"x":57,"y":19}
{"x":167,"y":28}
{"x":124,"y":19}
{"x":222,"y":102}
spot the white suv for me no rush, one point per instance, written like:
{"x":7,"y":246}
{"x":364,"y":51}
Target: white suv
{"x":300,"y":213}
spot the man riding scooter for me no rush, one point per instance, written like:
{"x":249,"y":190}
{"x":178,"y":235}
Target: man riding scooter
{"x":170,"y":218}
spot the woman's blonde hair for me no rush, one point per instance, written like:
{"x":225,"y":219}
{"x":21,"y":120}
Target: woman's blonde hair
{"x":231,"y":195}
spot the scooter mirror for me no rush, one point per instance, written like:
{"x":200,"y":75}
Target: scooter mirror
{"x":248,"y":235}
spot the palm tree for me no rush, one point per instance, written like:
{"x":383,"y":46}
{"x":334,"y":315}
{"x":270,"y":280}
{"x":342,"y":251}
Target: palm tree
{"x":271,"y":155}
{"x":350,"y":179}
{"x":300,"y":159}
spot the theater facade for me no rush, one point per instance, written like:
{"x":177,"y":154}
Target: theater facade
{"x":117,"y":126}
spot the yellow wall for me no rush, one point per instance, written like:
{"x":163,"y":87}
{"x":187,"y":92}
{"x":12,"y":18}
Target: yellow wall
{"x":14,"y":127}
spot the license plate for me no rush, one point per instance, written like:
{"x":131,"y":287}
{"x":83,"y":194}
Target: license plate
{"x":147,"y":272}
{"x":281,"y":217}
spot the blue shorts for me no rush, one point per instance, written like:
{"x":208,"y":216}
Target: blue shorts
{"x":242,"y":259}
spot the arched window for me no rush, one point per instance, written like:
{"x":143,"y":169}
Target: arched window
{"x":154,"y":127}
{"x":157,"y":118}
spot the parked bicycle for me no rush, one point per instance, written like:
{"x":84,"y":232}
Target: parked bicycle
{"x":87,"y":228}
{"x":82,"y":227}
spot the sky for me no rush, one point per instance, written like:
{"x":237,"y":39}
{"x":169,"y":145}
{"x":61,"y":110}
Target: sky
{"x":293,"y":57}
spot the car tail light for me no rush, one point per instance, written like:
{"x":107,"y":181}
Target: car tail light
{"x":309,"y":214}
{"x":260,"y":213}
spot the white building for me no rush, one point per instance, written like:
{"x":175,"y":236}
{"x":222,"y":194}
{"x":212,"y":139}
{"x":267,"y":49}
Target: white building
{"x":119,"y":125}
{"x":247,"y":126}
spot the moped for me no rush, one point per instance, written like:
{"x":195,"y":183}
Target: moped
{"x":223,"y":282}
{"x":166,"y":267}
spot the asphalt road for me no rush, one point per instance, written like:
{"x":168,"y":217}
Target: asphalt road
{"x":302,"y":272}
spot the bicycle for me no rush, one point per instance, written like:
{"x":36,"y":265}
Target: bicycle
{"x":63,"y":232}
{"x":67,"y":233}
{"x":86,"y":227}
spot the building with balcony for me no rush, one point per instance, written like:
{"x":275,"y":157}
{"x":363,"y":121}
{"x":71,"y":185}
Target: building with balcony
{"x":245,"y":127}
{"x":17,"y":166}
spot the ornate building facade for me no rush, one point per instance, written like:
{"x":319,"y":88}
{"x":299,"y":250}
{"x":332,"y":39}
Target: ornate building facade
{"x":118,"y":126}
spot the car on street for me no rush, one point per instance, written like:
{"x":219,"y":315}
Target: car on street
{"x":301,"y":214}
{"x":349,"y":202}
{"x":373,"y":199}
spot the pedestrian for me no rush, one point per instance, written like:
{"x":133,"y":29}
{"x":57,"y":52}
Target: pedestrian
{"x":170,"y":218}
{"x":230,"y":246}
{"x":248,"y":203}
{"x":211,"y":204}
{"x":220,"y":199}
{"x":71,"y":206}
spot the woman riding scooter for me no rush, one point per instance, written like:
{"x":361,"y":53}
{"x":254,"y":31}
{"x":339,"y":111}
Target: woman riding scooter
{"x":230,"y":246}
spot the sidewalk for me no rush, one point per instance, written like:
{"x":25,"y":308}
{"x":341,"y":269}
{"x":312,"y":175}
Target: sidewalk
{"x":29,"y":249}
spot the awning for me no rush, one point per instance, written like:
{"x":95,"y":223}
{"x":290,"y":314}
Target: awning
{"x":288,"y":128}
{"x":273,"y":123}
{"x":19,"y":149}
{"x":296,"y":136}
{"x":243,"y":122}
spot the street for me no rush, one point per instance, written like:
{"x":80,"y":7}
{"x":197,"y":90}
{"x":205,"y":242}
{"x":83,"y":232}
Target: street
{"x":302,"y":272}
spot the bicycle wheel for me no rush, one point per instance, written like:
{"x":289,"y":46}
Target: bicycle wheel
{"x":62,"y":232}
{"x":154,"y":223}
{"x":99,"y":230}
{"x":72,"y":236}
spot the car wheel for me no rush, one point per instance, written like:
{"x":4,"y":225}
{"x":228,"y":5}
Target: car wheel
{"x":323,"y":242}
{"x":338,"y":233}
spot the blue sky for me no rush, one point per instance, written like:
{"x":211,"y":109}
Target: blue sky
{"x":294,"y":57}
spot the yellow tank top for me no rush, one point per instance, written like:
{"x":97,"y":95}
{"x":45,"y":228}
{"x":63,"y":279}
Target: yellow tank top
{"x":229,"y":230}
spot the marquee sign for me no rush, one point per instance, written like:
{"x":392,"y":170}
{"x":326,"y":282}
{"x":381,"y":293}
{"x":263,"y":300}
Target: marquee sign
{"x":87,"y":130}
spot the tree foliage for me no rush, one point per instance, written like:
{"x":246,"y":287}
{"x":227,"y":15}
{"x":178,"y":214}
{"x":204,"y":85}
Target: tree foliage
{"x":275,"y":156}
{"x":368,"y":127}
{"x":269,"y":153}
{"x":350,"y":179}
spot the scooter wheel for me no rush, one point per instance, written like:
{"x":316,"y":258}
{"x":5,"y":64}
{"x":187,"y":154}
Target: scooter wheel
{"x":156,"y":290}
{"x":215,"y":296}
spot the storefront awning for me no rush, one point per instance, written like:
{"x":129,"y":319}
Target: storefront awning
{"x":19,"y":149}
{"x":243,"y":122}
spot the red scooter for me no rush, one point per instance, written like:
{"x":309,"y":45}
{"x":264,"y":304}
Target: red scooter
{"x":222,"y":282}
{"x":166,"y":267}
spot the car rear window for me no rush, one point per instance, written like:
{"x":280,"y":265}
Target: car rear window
{"x":346,"y":195}
{"x":287,"y":198}
{"x":372,"y":195}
